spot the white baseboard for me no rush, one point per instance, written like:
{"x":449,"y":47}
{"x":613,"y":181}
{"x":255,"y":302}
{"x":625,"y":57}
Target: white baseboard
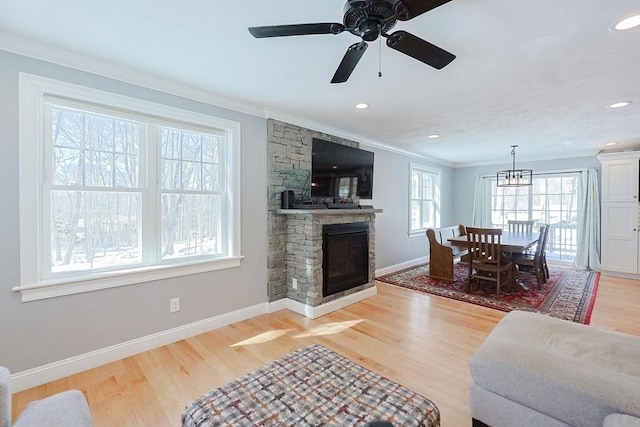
{"x":73,"y":365}
{"x":321,"y":310}
{"x":401,"y":266}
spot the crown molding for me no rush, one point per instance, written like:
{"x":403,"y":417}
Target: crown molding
{"x":363,"y":140}
{"x":571,"y":155}
{"x":22,"y":46}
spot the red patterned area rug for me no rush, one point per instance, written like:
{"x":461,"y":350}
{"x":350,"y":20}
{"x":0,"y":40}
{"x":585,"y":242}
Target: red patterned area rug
{"x":569,"y":294}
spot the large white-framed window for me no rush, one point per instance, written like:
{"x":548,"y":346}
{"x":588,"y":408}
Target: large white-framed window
{"x":552,"y":199}
{"x":116,"y":190}
{"x":424,"y":198}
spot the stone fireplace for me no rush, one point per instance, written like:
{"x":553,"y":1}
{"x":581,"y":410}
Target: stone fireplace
{"x":296,"y":236}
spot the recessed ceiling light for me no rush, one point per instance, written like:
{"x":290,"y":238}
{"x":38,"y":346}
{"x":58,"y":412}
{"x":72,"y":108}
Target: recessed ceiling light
{"x":362,"y":106}
{"x":627,"y":23}
{"x":612,"y":143}
{"x":434,"y":136}
{"x":620,"y":104}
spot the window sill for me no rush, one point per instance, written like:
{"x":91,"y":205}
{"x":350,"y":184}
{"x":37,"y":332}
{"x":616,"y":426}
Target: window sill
{"x":92,"y":282}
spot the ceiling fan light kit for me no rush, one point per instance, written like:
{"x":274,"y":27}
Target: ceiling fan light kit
{"x":370,"y":19}
{"x":514,"y":177}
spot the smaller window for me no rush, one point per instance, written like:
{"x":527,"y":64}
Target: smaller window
{"x":424,"y":203}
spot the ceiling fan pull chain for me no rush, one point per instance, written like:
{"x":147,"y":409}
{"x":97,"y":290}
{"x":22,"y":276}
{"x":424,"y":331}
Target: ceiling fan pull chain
{"x":380,"y":58}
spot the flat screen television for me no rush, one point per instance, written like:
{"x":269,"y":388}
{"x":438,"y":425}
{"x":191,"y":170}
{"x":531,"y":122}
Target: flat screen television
{"x":340,"y":171}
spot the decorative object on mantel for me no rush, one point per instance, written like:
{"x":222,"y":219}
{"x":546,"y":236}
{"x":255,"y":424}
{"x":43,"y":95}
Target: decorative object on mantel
{"x":514,"y":177}
{"x":310,"y":387}
{"x":569,"y":294}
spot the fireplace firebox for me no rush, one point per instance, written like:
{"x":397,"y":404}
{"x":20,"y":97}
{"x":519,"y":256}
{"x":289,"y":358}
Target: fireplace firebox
{"x":345,"y":256}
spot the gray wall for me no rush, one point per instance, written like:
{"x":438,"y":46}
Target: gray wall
{"x":391,"y":193}
{"x":464,"y":179}
{"x":40,"y":332}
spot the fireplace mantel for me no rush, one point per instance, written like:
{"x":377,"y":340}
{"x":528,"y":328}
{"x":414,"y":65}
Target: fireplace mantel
{"x":329,"y":212}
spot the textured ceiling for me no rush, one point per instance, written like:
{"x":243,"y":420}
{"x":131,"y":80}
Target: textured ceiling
{"x":537,"y":73}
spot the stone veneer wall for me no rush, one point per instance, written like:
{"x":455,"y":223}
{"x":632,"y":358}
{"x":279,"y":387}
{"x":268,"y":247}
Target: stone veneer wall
{"x":289,"y":168}
{"x":304,"y":253}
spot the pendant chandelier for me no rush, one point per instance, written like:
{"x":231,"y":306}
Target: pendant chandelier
{"x":514,"y":177}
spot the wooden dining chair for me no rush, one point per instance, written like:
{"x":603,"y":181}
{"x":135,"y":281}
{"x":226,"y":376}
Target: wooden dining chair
{"x":532,"y":263}
{"x":545,"y":267}
{"x":486,"y":259}
{"x":518,"y":226}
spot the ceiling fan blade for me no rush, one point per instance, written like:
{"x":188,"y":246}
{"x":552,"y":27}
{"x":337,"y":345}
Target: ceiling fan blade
{"x":296,"y":30}
{"x":408,"y":9}
{"x":419,"y":49}
{"x":349,"y":62}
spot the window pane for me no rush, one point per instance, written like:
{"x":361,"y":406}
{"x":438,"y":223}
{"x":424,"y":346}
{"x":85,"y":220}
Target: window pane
{"x":189,"y":161}
{"x":99,"y":132}
{"x":415,"y":185}
{"x":553,"y":201}
{"x":171,"y":144}
{"x":190,"y":225}
{"x":126,"y":137}
{"x":66,"y":166}
{"x":126,"y":170}
{"x":191,"y":146}
{"x":94,"y":230}
{"x":415,"y":215}
{"x":427,"y":215}
{"x":171,"y":174}
{"x":84,"y":147}
{"x":67,"y":128}
{"x":99,"y":169}
{"x":190,"y":176}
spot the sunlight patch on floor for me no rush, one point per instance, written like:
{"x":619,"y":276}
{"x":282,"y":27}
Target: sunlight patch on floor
{"x":263,"y":337}
{"x":329,"y":328}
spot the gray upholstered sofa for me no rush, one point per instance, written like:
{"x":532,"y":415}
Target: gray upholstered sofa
{"x":534,"y":370}
{"x":66,"y":409}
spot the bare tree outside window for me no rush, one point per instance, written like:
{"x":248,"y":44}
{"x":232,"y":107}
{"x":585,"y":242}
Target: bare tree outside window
{"x":94,"y":199}
{"x":190,"y":194}
{"x":95,"y":196}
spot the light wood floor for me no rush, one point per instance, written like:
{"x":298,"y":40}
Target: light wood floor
{"x":420,"y":341}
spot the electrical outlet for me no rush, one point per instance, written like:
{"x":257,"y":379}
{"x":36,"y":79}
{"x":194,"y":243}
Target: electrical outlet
{"x":294,"y":283}
{"x":174,"y":305}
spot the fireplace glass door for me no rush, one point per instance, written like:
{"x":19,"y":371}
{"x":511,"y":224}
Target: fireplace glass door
{"x":345,"y":262}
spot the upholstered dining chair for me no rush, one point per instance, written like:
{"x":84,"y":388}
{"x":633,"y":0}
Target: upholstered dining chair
{"x":518,"y":226}
{"x":532,"y":263}
{"x":486,"y":259}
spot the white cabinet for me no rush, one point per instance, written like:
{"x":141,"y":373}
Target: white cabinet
{"x":620,"y":213}
{"x":619,"y":246}
{"x":618,"y":182}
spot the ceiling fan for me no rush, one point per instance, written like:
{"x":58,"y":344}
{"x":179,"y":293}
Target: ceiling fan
{"x":369,"y":19}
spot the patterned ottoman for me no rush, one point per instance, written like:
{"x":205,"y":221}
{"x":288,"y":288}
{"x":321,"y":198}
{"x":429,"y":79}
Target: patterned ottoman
{"x":312,"y":386}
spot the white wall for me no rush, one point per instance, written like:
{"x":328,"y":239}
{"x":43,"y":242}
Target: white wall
{"x":36,"y":333}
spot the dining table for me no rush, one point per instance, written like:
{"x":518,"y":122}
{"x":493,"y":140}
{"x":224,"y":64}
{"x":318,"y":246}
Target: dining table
{"x":509,"y":243}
